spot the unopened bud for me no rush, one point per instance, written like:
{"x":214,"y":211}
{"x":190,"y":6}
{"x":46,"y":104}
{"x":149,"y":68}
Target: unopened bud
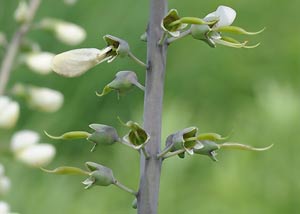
{"x":40,"y":62}
{"x":21,"y":14}
{"x":123,"y":82}
{"x":209,"y":148}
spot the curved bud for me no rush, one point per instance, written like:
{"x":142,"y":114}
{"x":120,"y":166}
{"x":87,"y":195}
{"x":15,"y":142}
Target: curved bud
{"x":209,"y":148}
{"x":4,"y":185}
{"x":66,"y":170}
{"x":23,"y":139}
{"x":21,"y":14}
{"x":119,"y":46}
{"x":105,"y":135}
{"x":123,"y":82}
{"x":9,"y":112}
{"x":4,"y":208}
{"x":237,"y":30}
{"x":74,"y":63}
{"x":238,"y":146}
{"x":37,"y":155}
{"x":99,"y":175}
{"x":137,"y":137}
{"x":40,"y":62}
{"x":44,"y":99}
{"x":70,"y":135}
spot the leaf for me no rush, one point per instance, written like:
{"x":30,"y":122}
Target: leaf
{"x":66,"y":170}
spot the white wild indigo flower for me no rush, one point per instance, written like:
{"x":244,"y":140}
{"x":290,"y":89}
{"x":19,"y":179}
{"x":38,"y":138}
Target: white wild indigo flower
{"x":9,"y":112}
{"x":4,"y":185}
{"x":38,"y":155}
{"x":40,"y":62}
{"x":4,"y":208}
{"x":45,"y":99}
{"x":76,"y":62}
{"x":23,"y":139}
{"x":27,"y":149}
{"x":222,"y":19}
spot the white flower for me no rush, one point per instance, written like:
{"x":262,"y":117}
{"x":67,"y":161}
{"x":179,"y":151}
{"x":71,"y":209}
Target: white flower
{"x":21,"y":14}
{"x":45,"y":99}
{"x":224,"y":14}
{"x":37,"y":155}
{"x":4,"y":185}
{"x":76,"y":62}
{"x":69,"y":33}
{"x":4,"y":208}
{"x":40,"y":62}
{"x":23,"y":139}
{"x":9,"y":112}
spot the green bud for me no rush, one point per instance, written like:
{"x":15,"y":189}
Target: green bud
{"x":200,"y":31}
{"x":99,"y":175}
{"x":66,"y":170}
{"x":124,"y":81}
{"x":105,"y":135}
{"x":119,"y":46}
{"x":70,"y":135}
{"x":236,"y":30}
{"x":209,"y":148}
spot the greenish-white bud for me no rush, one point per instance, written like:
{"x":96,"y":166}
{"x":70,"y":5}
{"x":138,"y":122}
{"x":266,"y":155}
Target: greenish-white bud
{"x":23,"y":139}
{"x":40,"y":62}
{"x":209,"y":148}
{"x":21,"y":14}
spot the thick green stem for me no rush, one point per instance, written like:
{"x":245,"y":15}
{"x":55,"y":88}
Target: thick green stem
{"x":156,"y":60}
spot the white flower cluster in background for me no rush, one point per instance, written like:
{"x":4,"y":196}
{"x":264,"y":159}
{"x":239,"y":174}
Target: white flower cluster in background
{"x":4,"y":182}
{"x":27,"y":149}
{"x":39,"y":62}
{"x":9,"y":112}
{"x":4,"y":208}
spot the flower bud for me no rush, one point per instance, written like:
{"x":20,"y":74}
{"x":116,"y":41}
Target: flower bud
{"x":99,"y":175}
{"x":66,"y":32}
{"x":209,"y":148}
{"x":23,"y":139}
{"x":45,"y":99}
{"x":104,"y":135}
{"x":37,"y":155}
{"x":21,"y":14}
{"x":76,"y":62}
{"x":40,"y":62}
{"x":137,"y":137}
{"x":123,"y":82}
{"x":9,"y":112}
{"x":4,"y":185}
{"x":4,"y":208}
{"x":119,"y":47}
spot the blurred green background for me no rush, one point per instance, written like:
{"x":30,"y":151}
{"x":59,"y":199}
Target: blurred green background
{"x":254,"y":92}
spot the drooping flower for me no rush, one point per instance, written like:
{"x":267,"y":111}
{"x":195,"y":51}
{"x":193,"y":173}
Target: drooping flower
{"x":76,"y":62}
{"x":9,"y":112}
{"x":222,"y":19}
{"x":40,"y":62}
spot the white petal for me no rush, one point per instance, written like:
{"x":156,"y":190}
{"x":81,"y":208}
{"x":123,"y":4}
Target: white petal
{"x":4,"y":208}
{"x":226,"y":16}
{"x":4,"y":185}
{"x":9,"y":112}
{"x":76,"y":62}
{"x":69,"y":33}
{"x":37,"y":155}
{"x":40,"y":62}
{"x":45,"y":99}
{"x":23,"y":139}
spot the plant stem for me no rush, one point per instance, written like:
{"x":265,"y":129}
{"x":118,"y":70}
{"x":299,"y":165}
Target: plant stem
{"x":138,"y":61}
{"x":125,"y":188}
{"x":14,"y":45}
{"x":150,"y":169}
{"x":183,"y":34}
{"x":171,"y":154}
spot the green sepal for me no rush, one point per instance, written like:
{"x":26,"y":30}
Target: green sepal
{"x":70,"y":135}
{"x":66,"y":170}
{"x":170,"y":18}
{"x":209,"y":148}
{"x":99,"y":175}
{"x":124,"y":81}
{"x":236,"y":30}
{"x":239,"y":146}
{"x":120,"y":47}
{"x":103,"y":134}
